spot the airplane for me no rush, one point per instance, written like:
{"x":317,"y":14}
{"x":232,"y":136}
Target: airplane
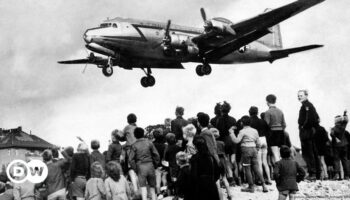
{"x":132,"y":43}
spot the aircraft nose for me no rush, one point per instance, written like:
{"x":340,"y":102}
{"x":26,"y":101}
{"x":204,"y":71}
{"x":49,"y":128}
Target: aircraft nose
{"x":87,"y":37}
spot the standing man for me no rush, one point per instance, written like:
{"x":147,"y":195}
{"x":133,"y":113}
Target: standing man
{"x":177,"y":124}
{"x":275,"y":119}
{"x":308,"y":121}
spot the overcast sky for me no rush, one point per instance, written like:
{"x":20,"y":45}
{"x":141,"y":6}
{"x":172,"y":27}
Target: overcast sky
{"x":58,"y":102}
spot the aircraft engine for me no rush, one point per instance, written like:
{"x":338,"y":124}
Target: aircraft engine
{"x":179,"y":41}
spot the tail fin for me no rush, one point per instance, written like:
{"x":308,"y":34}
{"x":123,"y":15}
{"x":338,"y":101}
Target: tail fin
{"x":273,"y":39}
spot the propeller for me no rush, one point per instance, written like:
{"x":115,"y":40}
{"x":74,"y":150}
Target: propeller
{"x":91,"y":58}
{"x":207,"y":23}
{"x":167,"y":38}
{"x":204,"y":16}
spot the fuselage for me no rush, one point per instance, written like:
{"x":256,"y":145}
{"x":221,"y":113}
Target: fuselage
{"x":142,"y":40}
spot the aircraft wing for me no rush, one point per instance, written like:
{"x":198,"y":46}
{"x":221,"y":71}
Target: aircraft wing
{"x":248,"y":30}
{"x":89,"y":60}
{"x":277,"y":54}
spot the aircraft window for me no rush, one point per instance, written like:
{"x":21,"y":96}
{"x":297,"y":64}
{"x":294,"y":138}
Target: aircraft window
{"x":115,"y":25}
{"x":104,"y":25}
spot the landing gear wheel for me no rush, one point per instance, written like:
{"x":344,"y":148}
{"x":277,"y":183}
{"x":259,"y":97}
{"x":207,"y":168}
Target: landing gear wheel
{"x":107,"y":71}
{"x":151,"y":81}
{"x":144,"y":81}
{"x":199,"y":70}
{"x":206,"y":69}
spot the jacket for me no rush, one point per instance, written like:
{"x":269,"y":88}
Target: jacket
{"x":286,"y":173}
{"x":97,"y":156}
{"x":275,"y":119}
{"x":308,"y":117}
{"x":211,"y":142}
{"x":176,"y":127}
{"x":143,"y":151}
{"x":114,"y":152}
{"x":55,"y":180}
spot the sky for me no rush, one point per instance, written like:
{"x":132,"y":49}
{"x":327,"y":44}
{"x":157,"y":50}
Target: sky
{"x":59,"y":102}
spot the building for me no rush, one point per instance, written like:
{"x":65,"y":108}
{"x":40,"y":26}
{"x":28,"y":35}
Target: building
{"x":17,"y":144}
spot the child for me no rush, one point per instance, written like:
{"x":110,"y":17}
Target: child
{"x":287,"y":173}
{"x":321,"y":143}
{"x":117,"y":188}
{"x":114,"y":149}
{"x":143,"y":159}
{"x":183,"y":183}
{"x":249,"y":139}
{"x":96,"y":155}
{"x":224,"y":163}
{"x":189,"y":132}
{"x":170,"y":157}
{"x":95,"y":188}
{"x":159,"y":143}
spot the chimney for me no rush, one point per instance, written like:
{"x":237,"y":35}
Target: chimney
{"x":19,"y":128}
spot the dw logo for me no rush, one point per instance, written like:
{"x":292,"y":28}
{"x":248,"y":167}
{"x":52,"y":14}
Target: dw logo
{"x":34,"y":171}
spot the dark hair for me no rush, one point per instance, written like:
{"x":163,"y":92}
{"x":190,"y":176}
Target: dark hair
{"x":139,"y":133}
{"x":95,"y":144}
{"x":55,"y":153}
{"x":69,"y":151}
{"x":285,"y":151}
{"x":225,"y":108}
{"x":253,"y":111}
{"x":271,"y":98}
{"x":113,"y":170}
{"x":47,"y":155}
{"x":262,"y":115}
{"x":158,"y":135}
{"x":217,"y":109}
{"x":131,"y":118}
{"x":179,"y":110}
{"x":245,"y":120}
{"x":200,"y":144}
{"x":170,"y":138}
{"x":203,"y":119}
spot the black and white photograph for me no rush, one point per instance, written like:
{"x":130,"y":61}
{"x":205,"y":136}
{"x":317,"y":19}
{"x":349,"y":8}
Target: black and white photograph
{"x":171,"y":100}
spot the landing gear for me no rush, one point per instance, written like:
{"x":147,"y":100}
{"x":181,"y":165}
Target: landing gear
{"x":202,"y":70}
{"x":107,"y":71}
{"x":148,"y":80}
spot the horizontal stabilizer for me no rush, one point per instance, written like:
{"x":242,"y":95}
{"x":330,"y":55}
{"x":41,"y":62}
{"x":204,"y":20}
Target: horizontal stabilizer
{"x":276,"y":54}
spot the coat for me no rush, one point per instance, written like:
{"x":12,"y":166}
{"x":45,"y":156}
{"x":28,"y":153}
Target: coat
{"x":287,"y":173}
{"x":204,"y":174}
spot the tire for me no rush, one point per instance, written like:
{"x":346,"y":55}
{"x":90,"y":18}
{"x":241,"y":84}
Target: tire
{"x":144,"y":81}
{"x":107,"y":71}
{"x":151,"y":81}
{"x":206,"y":69}
{"x":199,"y":70}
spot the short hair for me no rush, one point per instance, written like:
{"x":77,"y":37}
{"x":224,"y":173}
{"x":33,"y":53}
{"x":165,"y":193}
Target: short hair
{"x":271,"y":98}
{"x":139,"y":133}
{"x":200,"y":144}
{"x":69,"y":150}
{"x":285,"y":151}
{"x":189,"y":131}
{"x":167,"y":121}
{"x":95,"y":144}
{"x":181,"y":158}
{"x":170,"y":138}
{"x":306,"y":92}
{"x":118,"y":135}
{"x":47,"y":155}
{"x":253,"y":111}
{"x":97,"y":170}
{"x":55,"y":153}
{"x":131,"y":118}
{"x":113,"y":170}
{"x":217,"y":109}
{"x":179,"y":110}
{"x":245,"y":120}
{"x":83,"y":147}
{"x":225,"y":108}
{"x":158,"y":134}
{"x":203,"y":119}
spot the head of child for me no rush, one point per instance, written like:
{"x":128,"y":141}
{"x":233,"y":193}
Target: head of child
{"x":139,"y":133}
{"x":97,"y":170}
{"x":285,"y":151}
{"x":116,"y":135}
{"x":181,"y":158}
{"x":83,"y":148}
{"x":189,"y":132}
{"x":47,"y":155}
{"x":113,"y":170}
{"x":170,"y":139}
{"x":245,"y":120}
{"x":158,"y":135}
{"x":95,"y":144}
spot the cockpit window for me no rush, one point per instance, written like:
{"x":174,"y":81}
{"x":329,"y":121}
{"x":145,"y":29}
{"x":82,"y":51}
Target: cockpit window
{"x":104,"y":25}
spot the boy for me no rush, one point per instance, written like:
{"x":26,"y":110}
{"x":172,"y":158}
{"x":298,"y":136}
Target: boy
{"x":183,"y":183}
{"x":143,"y":159}
{"x":287,"y":173}
{"x":249,"y":139}
{"x":96,"y":155}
